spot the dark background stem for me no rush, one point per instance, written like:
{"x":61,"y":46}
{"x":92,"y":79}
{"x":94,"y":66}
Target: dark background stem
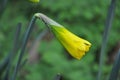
{"x":108,"y":25}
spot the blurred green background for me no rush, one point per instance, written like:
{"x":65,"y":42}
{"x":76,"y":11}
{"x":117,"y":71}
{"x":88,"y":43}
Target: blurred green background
{"x":85,"y":18}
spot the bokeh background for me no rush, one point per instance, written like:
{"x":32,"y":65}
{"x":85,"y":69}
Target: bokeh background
{"x":85,"y":18}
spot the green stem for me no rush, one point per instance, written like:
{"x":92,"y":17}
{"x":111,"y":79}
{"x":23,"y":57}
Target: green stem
{"x":105,"y":36}
{"x":116,"y":67}
{"x":47,"y":21}
{"x":14,"y":51}
{"x":26,"y":37}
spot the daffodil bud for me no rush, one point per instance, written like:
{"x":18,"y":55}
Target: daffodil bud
{"x":75,"y":45}
{"x":35,"y":1}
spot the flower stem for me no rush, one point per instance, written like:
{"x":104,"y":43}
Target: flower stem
{"x":26,"y":37}
{"x":108,"y":25}
{"x":116,"y":67}
{"x":25,"y":40}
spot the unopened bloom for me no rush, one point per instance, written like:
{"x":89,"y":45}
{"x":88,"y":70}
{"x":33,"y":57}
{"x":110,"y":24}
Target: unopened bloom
{"x":35,"y":1}
{"x":75,"y":45}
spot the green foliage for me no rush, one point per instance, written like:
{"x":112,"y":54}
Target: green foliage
{"x":54,"y":61}
{"x":82,"y":17}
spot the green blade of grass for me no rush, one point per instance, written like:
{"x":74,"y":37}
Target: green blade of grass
{"x":14,"y":50}
{"x":108,"y":25}
{"x":3,"y":4}
{"x":4,"y":64}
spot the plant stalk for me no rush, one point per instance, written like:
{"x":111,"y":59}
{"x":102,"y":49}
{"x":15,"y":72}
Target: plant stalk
{"x":108,"y":25}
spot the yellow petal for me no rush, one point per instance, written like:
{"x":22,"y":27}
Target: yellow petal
{"x":75,"y":46}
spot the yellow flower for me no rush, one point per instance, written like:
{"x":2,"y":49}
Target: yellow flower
{"x":35,"y":1}
{"x":75,"y":45}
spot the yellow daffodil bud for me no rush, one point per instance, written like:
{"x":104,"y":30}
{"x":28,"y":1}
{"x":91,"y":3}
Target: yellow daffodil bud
{"x":75,"y":45}
{"x":35,"y":1}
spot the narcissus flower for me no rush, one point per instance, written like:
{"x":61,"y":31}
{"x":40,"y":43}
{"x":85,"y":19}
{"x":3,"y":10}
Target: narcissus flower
{"x":75,"y":45}
{"x":35,"y":1}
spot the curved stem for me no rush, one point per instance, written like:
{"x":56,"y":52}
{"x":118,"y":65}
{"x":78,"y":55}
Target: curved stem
{"x":47,"y":21}
{"x":26,"y":37}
